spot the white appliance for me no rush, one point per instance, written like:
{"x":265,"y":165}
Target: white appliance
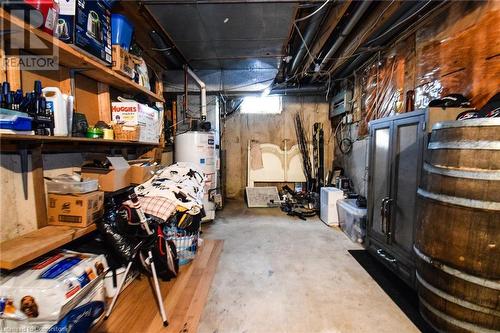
{"x":328,"y":205}
{"x":199,"y":148}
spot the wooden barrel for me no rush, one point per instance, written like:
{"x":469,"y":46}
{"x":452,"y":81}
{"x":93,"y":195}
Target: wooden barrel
{"x":457,"y":236}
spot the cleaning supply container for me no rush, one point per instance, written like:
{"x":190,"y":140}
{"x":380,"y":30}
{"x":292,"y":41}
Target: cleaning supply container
{"x":59,"y":104}
{"x":121,"y":30}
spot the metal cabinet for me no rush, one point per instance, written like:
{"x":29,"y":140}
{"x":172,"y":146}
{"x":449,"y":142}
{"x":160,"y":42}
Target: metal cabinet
{"x":396,"y":155}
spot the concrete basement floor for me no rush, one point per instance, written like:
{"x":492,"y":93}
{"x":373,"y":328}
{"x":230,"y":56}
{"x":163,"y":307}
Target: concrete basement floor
{"x":282,"y":274}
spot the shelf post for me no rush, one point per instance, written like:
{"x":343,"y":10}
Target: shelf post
{"x":3,"y":75}
{"x":13,"y":75}
{"x":65,"y":81}
{"x":39,"y":186}
{"x":104,"y":102}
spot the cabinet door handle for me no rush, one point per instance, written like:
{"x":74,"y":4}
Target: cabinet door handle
{"x":386,"y":256}
{"x":383,"y":215}
{"x":388,"y":220}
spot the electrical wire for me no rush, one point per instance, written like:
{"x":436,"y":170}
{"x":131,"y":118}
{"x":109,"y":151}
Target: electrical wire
{"x":363,"y":36}
{"x":162,"y":50}
{"x":343,"y":141}
{"x":400,"y":23}
{"x":313,"y":13}
{"x":304,"y":43}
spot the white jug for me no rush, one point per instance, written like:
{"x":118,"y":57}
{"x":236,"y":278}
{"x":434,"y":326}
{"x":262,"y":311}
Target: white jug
{"x":61,"y":106}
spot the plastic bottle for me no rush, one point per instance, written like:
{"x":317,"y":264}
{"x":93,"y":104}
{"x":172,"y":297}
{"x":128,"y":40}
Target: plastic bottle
{"x":58,"y":103}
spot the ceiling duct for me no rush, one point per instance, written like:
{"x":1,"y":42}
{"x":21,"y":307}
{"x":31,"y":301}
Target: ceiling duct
{"x":402,"y":21}
{"x":360,"y":11}
{"x":311,"y":31}
{"x":168,"y":52}
{"x":305,"y":90}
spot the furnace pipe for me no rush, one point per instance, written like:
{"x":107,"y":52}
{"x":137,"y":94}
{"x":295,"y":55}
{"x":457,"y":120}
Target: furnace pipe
{"x":345,"y":32}
{"x":203,"y":89}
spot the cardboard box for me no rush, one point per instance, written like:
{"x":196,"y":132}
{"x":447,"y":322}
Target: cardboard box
{"x":438,"y":114}
{"x":112,"y":179}
{"x":123,"y":62}
{"x":140,"y":174}
{"x":86,"y":24}
{"x":75,"y":210}
{"x":65,"y":27}
{"x":133,"y":113}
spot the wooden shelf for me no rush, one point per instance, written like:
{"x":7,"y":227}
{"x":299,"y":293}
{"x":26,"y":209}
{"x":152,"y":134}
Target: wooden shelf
{"x":73,"y":58}
{"x":20,"y":250}
{"x":54,"y":144}
{"x":42,"y":139}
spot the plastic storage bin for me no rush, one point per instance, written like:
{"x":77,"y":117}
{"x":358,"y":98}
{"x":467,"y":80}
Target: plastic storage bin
{"x":186,"y":242}
{"x":328,"y":204}
{"x":14,"y":120}
{"x":16,"y":123}
{"x":352,"y":219}
{"x":121,"y":30}
{"x":71,"y":186}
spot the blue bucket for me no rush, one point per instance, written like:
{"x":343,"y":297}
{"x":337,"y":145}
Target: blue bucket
{"x":121,"y":31}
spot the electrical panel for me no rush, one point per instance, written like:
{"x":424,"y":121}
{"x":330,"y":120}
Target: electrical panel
{"x":341,"y":103}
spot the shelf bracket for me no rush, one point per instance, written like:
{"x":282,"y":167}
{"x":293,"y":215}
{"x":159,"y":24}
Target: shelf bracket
{"x":23,"y":153}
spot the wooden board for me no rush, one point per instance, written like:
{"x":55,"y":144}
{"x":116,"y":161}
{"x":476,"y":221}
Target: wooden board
{"x":39,"y":183}
{"x":86,"y":98}
{"x":20,"y":250}
{"x":4,"y":138}
{"x":261,"y":196}
{"x":72,"y":57}
{"x":183,"y":298}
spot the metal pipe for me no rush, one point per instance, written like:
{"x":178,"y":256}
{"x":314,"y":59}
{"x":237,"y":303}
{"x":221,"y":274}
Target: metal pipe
{"x":306,"y":90}
{"x":312,"y":28}
{"x":407,"y":10}
{"x":203,"y":89}
{"x":185,"y":101}
{"x":169,"y":52}
{"x":220,"y":2}
{"x":345,"y":32}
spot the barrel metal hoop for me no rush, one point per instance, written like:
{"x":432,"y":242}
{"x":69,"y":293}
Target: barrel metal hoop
{"x":464,"y":202}
{"x":456,"y":300}
{"x":459,"y":323}
{"x":467,"y":123}
{"x":492,"y":284}
{"x":458,"y":173}
{"x":465,"y":144}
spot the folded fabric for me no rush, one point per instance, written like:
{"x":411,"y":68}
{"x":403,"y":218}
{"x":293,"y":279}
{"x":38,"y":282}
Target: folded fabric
{"x":159,"y":207}
{"x":181,"y":183}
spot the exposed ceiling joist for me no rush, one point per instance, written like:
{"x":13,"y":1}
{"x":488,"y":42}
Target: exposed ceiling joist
{"x":325,"y":33}
{"x":373,"y":23}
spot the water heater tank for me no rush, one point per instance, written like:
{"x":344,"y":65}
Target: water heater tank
{"x":199,"y":148}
